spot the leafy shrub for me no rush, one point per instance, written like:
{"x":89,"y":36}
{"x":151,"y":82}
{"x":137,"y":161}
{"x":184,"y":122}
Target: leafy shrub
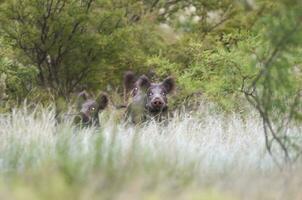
{"x":17,"y":80}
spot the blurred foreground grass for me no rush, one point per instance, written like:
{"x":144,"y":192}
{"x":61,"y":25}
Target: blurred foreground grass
{"x":198,"y":155}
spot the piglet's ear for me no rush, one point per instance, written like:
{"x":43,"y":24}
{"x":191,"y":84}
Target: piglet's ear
{"x":144,"y":82}
{"x":129,"y":80}
{"x":82,"y":97}
{"x":102,"y":100}
{"x":169,"y":84}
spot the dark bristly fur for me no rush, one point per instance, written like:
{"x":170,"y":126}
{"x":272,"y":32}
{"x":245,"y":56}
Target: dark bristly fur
{"x":129,"y":81}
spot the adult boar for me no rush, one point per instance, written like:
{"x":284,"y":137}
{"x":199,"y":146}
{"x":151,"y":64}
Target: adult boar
{"x":147,"y":99}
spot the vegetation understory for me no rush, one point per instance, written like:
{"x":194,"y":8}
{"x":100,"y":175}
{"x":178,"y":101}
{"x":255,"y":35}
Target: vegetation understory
{"x":202,"y":154}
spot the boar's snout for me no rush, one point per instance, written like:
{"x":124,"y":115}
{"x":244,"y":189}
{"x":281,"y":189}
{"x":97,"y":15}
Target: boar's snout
{"x":157,"y":103}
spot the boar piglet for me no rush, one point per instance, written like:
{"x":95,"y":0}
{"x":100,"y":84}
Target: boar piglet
{"x":89,"y":107}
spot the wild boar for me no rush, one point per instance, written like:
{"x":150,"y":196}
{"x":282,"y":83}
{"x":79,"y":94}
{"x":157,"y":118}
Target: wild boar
{"x":147,"y":99}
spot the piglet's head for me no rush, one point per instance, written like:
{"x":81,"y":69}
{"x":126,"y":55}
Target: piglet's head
{"x":89,"y":108}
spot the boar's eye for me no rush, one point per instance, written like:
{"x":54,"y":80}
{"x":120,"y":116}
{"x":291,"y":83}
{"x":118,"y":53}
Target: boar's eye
{"x":150,"y":94}
{"x":163,"y":93}
{"x":92,"y":108}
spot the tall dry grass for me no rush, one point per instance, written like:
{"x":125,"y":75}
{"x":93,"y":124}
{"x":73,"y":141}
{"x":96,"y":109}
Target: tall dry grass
{"x":203,"y":154}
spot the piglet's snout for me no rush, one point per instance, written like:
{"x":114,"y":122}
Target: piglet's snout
{"x":85,"y":117}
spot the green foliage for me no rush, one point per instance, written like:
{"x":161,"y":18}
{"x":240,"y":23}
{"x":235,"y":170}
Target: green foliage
{"x":276,"y":90}
{"x":90,"y":45}
{"x":77,"y":44}
{"x":16,"y":79}
{"x":215,"y":71}
{"x":127,"y":49}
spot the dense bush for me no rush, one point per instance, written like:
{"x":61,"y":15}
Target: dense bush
{"x":90,"y":44}
{"x":76,"y":44}
{"x":16,"y":79}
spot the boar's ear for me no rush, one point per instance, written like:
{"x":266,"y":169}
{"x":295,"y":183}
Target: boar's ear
{"x":144,"y":82}
{"x":129,"y":80}
{"x":169,"y":84}
{"x":102,"y":100}
{"x":82,"y":97}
